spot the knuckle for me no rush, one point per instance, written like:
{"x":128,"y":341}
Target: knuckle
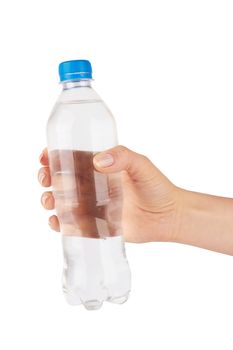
{"x":144,"y":158}
{"x":121,"y":148}
{"x":121,"y":151}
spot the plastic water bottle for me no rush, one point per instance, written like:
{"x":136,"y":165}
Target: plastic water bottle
{"x":88,"y":203}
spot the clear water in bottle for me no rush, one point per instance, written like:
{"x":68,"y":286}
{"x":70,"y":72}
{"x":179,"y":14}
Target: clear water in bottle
{"x":88,"y":203}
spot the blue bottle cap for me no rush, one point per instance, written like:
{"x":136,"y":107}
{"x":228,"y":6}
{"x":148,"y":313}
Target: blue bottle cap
{"x":75,"y":70}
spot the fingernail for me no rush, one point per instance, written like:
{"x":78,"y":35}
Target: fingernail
{"x":42,"y":177}
{"x":41,"y":157}
{"x":45,"y":199}
{"x":103,"y":161}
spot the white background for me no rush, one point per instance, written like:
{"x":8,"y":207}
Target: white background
{"x":165,"y":69}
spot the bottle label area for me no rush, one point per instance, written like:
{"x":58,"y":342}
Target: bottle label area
{"x":88,"y":203}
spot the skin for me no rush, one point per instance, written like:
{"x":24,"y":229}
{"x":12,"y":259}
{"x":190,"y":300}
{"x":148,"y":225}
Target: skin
{"x":154,"y":209}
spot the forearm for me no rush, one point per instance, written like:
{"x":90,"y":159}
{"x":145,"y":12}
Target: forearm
{"x":206,"y":221}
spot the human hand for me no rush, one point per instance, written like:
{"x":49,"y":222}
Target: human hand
{"x":151,"y":202}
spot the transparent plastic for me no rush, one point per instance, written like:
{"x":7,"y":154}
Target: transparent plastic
{"x":88,"y":203}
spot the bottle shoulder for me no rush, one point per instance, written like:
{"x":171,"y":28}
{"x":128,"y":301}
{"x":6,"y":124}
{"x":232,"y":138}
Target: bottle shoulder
{"x":79,"y":103}
{"x":91,"y":114}
{"x":81,"y":120}
{"x":78,"y":94}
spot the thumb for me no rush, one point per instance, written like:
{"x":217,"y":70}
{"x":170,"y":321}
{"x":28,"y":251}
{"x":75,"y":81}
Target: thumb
{"x":120,"y":158}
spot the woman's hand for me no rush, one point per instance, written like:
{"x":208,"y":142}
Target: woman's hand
{"x":156,"y":210}
{"x":151,"y":201}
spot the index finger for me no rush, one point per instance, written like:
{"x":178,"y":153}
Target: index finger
{"x":44,"y":160}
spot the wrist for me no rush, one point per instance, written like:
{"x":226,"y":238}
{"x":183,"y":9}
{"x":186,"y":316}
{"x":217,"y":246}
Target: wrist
{"x":177,"y":235}
{"x":205,"y":221}
{"x":189,"y":210}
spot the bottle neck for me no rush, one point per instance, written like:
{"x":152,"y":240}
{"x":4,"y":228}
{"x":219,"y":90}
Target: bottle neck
{"x":67,"y":85}
{"x":78,"y":90}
